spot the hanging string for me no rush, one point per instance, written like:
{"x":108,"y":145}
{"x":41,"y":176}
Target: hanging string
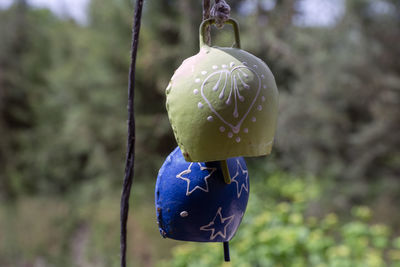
{"x":221,"y":12}
{"x":206,"y":15}
{"x":130,"y":154}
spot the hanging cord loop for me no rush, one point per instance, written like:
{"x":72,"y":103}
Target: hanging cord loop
{"x":206,"y":15}
{"x":221,"y":12}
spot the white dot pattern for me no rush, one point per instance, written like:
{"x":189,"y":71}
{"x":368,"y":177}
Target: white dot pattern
{"x":222,"y":129}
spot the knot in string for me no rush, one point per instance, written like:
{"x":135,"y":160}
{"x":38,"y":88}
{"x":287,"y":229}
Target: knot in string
{"x":220,"y":12}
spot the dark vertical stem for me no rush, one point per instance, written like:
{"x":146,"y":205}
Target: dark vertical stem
{"x":130,"y":154}
{"x":227,"y":257}
{"x":225,"y":171}
{"x":206,"y":15}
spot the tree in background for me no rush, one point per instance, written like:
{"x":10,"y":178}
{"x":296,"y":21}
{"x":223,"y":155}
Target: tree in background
{"x":63,"y":111}
{"x":64,"y":85}
{"x":340,"y":117}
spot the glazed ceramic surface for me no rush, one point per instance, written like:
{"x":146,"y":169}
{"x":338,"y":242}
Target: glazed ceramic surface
{"x":194,"y":204}
{"x":222,"y":103}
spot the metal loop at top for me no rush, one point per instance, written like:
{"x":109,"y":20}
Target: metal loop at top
{"x":205,"y":23}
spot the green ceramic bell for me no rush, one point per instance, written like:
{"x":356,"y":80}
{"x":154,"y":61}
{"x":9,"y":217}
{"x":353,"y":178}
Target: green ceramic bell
{"x":222,"y":103}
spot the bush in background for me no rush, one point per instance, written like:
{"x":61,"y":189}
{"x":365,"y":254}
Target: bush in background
{"x":280,"y":230}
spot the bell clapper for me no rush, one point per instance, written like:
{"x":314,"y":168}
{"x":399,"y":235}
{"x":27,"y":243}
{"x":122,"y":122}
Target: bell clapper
{"x":226,"y":252}
{"x":225,"y":171}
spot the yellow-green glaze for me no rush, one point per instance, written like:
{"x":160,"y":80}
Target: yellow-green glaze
{"x":222,"y":103}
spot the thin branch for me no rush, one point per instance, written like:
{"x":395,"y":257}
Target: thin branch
{"x":130,"y":154}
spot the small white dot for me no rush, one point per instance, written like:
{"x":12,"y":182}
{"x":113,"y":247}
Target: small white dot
{"x":204,"y":72}
{"x":238,"y":139}
{"x":200,"y":105}
{"x":264,"y":86}
{"x":195,"y":91}
{"x":215,"y":67}
{"x":245,"y":130}
{"x":224,"y":66}
{"x":259,"y":107}
{"x":210,"y":118}
{"x":232,"y":64}
{"x":244,"y":63}
{"x":184,"y":214}
{"x":222,"y":129}
{"x":230,"y":135}
{"x":255,"y":66}
{"x":197,"y":80}
{"x":262,"y":76}
{"x":263,"y":98}
{"x":253,"y":119}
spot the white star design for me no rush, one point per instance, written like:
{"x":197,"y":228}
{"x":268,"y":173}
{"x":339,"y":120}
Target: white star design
{"x":189,"y":170}
{"x":217,"y":222}
{"x":240,"y":185}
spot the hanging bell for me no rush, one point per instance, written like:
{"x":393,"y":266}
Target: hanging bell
{"x":222,"y":103}
{"x":193,"y":203}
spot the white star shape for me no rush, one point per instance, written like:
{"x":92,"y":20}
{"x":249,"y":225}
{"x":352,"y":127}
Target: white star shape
{"x":241,"y":185}
{"x":188,"y":170}
{"x":216,"y":224}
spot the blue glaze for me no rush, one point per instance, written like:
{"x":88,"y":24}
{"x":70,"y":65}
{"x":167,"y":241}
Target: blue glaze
{"x":193,"y":203}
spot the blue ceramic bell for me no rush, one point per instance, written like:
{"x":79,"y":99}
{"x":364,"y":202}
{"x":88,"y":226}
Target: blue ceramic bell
{"x":193,"y":202}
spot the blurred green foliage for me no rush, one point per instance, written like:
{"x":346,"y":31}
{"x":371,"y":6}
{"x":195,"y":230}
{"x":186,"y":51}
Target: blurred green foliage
{"x":276,"y":232}
{"x":63,"y":92}
{"x":80,"y":228}
{"x":63,"y":97}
